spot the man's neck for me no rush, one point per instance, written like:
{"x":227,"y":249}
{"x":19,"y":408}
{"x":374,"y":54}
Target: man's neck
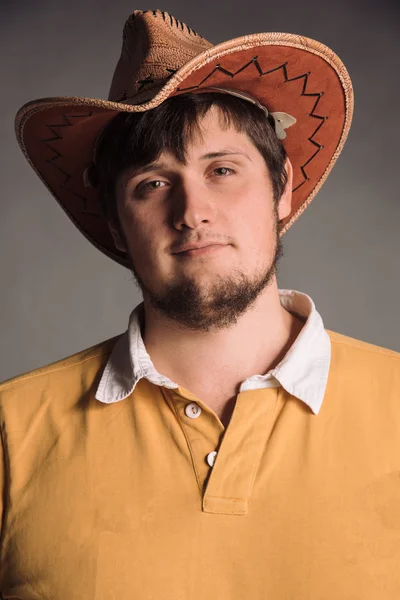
{"x":212,"y":365}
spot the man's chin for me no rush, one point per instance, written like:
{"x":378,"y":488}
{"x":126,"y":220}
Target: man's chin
{"x":209,"y":301}
{"x":210,"y":307}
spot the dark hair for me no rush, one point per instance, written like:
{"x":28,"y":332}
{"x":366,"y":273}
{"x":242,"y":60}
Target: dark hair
{"x":137,"y":139}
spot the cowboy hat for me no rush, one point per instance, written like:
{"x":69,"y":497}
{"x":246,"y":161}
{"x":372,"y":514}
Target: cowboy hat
{"x":300,"y":81}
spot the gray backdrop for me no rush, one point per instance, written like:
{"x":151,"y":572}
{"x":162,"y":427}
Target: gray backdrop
{"x":59,"y":294}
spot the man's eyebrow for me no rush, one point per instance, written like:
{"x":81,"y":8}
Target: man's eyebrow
{"x":224,"y":152}
{"x":133,"y":172}
{"x":157,"y":166}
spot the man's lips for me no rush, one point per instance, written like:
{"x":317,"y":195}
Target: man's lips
{"x":199,"y":250}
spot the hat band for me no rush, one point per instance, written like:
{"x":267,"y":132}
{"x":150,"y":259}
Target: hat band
{"x":282,"y":120}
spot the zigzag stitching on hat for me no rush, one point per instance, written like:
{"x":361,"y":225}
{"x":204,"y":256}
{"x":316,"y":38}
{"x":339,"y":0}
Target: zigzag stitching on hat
{"x":318,"y":95}
{"x":322,"y":119}
{"x":51,"y":161}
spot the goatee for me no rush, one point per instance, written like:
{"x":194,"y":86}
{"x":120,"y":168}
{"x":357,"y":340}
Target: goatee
{"x":229,"y":297}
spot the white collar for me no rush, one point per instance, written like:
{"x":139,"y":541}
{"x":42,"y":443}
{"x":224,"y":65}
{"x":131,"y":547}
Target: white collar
{"x":303,"y":371}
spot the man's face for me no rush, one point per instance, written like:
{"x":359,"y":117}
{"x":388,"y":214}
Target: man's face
{"x":221,"y":196}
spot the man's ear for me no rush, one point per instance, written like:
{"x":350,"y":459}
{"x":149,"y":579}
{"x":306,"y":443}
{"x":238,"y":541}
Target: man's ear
{"x":116,"y":234}
{"x":285,"y":201}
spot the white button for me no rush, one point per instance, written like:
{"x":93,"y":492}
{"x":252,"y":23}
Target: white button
{"x":192,"y":410}
{"x":211,"y":458}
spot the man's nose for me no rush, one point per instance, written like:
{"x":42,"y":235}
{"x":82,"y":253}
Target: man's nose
{"x":192,"y":204}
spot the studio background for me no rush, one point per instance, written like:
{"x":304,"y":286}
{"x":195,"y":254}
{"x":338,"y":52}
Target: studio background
{"x":59,"y":294}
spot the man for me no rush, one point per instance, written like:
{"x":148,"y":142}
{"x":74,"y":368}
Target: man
{"x":226,"y":445}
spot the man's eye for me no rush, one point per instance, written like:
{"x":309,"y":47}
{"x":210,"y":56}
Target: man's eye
{"x":151,"y":185}
{"x":223,"y":171}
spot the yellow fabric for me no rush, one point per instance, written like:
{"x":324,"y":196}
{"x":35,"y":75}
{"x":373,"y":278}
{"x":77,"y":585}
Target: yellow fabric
{"x":118,"y":502}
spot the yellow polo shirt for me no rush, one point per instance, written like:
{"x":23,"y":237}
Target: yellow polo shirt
{"x":121,"y":500}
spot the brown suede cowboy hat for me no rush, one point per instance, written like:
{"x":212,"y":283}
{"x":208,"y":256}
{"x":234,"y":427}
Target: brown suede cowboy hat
{"x":298,"y":80}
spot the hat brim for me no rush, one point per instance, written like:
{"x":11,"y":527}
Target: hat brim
{"x":284,"y":72}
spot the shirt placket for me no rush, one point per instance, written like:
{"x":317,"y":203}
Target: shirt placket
{"x":202,"y":429}
{"x":225,"y":461}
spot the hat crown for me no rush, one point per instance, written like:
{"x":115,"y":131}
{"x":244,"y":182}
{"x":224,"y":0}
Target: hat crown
{"x":154,"y":46}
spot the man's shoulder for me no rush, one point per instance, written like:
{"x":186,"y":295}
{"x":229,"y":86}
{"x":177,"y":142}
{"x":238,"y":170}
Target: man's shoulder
{"x":356,"y":345}
{"x":90,"y":359}
{"x":351,"y":354}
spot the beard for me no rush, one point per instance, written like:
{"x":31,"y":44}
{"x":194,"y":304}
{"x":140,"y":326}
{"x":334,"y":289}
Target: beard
{"x":229,"y":297}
